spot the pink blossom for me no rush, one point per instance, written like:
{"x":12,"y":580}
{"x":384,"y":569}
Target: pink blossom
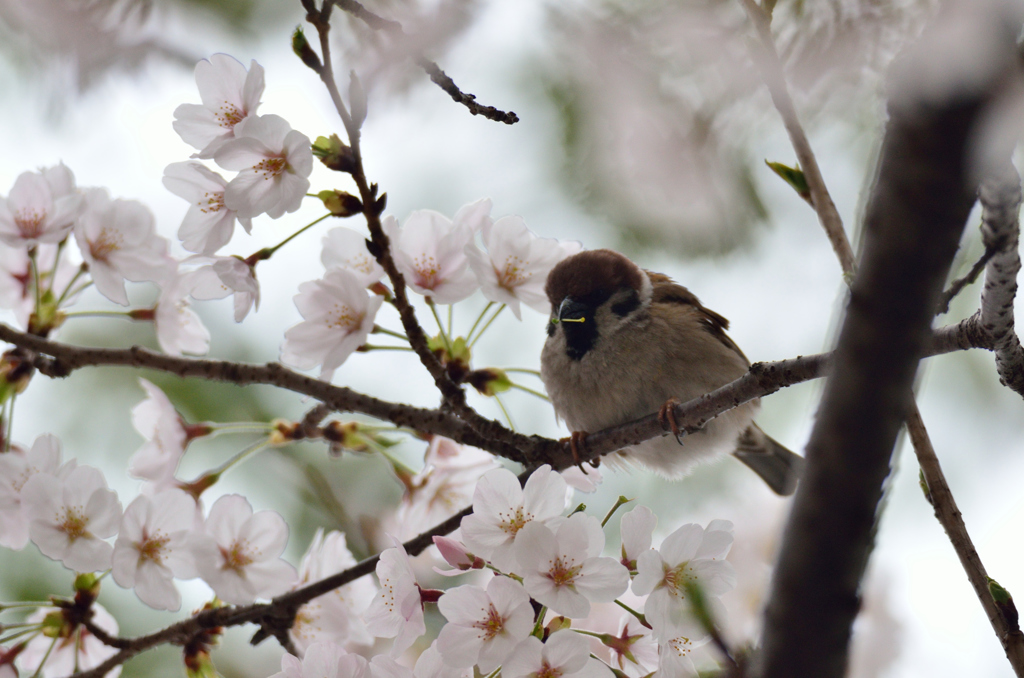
{"x":81,"y":651}
{"x":70,"y":518}
{"x":16,"y":468}
{"x":223,"y":276}
{"x":178,"y":328}
{"x":229,"y":95}
{"x":566,"y":654}
{"x":152,"y":547}
{"x":41,"y":207}
{"x":239,"y":553}
{"x":344,"y":248}
{"x":397,"y":611}
{"x":156,"y":420}
{"x":637,"y":530}
{"x":273,"y":163}
{"x":484,"y":627}
{"x":209,"y":224}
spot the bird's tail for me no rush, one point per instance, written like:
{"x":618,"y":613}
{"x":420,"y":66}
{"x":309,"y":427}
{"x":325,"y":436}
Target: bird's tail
{"x":777,"y":466}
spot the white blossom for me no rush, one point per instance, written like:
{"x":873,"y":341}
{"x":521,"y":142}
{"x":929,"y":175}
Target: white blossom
{"x":397,"y":610}
{"x":563,"y":569}
{"x":152,"y":547}
{"x":16,"y":468}
{"x":516,"y":264}
{"x":338,"y":316}
{"x":566,"y":654}
{"x":430,"y":250}
{"x":223,"y":276}
{"x":430,"y":665}
{"x":229,"y":95}
{"x":501,"y":507}
{"x":637,"y":530}
{"x":239,"y":553}
{"x":41,"y":207}
{"x":344,"y":248}
{"x":81,"y":651}
{"x":159,"y":423}
{"x":178,"y":328}
{"x":675,"y":648}
{"x":690,"y":554}
{"x":334,"y":616}
{"x":70,"y":518}
{"x":273,"y":162}
{"x":323,"y":660}
{"x":484,"y":627}
{"x":209,"y":224}
{"x":118,"y":241}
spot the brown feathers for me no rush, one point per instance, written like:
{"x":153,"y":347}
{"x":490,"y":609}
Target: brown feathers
{"x":594,"y":274}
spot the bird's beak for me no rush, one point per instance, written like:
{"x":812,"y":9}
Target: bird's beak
{"x":571,"y":311}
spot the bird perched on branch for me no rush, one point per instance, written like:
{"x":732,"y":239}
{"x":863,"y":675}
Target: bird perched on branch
{"x":624,"y":343}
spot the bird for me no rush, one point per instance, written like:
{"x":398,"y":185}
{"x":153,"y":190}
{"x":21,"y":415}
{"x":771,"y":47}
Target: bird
{"x":623,"y":343}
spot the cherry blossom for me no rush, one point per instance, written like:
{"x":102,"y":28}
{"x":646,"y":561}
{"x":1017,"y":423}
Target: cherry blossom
{"x":632,"y":648}
{"x":273,"y":163}
{"x":397,"y":611}
{"x":70,"y":518}
{"x":484,"y":627}
{"x":223,"y":276}
{"x":79,"y":651}
{"x":209,"y":224}
{"x":41,"y":207}
{"x":238,"y":555}
{"x":159,"y":423}
{"x":674,"y":650}
{"x":335,"y":616}
{"x":584,"y":481}
{"x":16,"y":468}
{"x":455,"y":554}
{"x":690,"y":554}
{"x":118,"y":241}
{"x":637,"y":530}
{"x":229,"y":95}
{"x":152,"y":547}
{"x":338,"y":314}
{"x":501,"y":508}
{"x":324,"y":660}
{"x":344,"y":248}
{"x":431,"y":665}
{"x":516,"y":264}
{"x":563,"y":569}
{"x":430,"y":250}
{"x":178,"y":328}
{"x":17,"y":285}
{"x":566,"y":654}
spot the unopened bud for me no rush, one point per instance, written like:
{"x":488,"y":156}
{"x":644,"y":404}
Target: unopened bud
{"x":334,"y":154}
{"x":302,"y":49}
{"x":489,"y":381}
{"x":340,"y":203}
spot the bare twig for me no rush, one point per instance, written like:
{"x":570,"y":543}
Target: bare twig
{"x":437,"y":76}
{"x":958,"y":285}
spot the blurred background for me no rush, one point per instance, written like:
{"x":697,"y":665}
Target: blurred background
{"x":644,"y":127}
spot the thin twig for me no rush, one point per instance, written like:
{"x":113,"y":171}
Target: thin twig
{"x":958,"y":285}
{"x":437,"y":76}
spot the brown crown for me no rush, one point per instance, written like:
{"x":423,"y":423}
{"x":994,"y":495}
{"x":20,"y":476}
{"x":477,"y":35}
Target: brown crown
{"x":592,"y":273}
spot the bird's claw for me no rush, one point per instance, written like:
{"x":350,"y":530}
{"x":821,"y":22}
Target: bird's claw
{"x":667,"y":419}
{"x":577,"y":441}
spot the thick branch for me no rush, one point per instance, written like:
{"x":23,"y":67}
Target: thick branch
{"x":914,"y":220}
{"x":1000,"y":231}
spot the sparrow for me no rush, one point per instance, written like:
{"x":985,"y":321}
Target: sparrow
{"x":624,"y":343}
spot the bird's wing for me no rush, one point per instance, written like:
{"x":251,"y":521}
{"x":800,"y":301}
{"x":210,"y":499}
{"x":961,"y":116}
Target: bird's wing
{"x":668,"y":292}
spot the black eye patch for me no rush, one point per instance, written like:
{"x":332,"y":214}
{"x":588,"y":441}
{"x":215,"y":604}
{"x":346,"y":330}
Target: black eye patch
{"x":627,"y":305}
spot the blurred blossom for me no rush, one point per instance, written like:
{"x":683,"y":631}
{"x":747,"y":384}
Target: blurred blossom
{"x":230,"y":94}
{"x":690,"y":554}
{"x":397,"y":610}
{"x":239,"y":553}
{"x":16,"y":468}
{"x":502,"y":507}
{"x":585,"y":481}
{"x":344,"y":248}
{"x":69,"y":518}
{"x":338,"y":316}
{"x":152,"y":548}
{"x":431,"y":665}
{"x":484,"y":627}
{"x":80,"y":651}
{"x":273,"y":162}
{"x":178,"y":328}
{"x":324,"y":660}
{"x":208,"y":225}
{"x":676,"y":648}
{"x":223,"y":276}
{"x":637,"y":530}
{"x":565,"y":654}
{"x":41,"y":207}
{"x":430,"y":250}
{"x":17,"y":288}
{"x":563,"y":568}
{"x":119,"y":242}
{"x":516,"y":263}
{"x":159,"y":423}
{"x":336,"y":615}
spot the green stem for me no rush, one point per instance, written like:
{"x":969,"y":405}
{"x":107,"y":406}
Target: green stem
{"x":45,"y":657}
{"x":522,"y":370}
{"x":34,"y":265}
{"x":640,"y":617}
{"x":65,"y":294}
{"x":618,"y":502}
{"x":35,"y":631}
{"x":216,"y":428}
{"x":239,"y":458}
{"x":478,"y":319}
{"x":451,"y":317}
{"x":269,"y":251}
{"x":365,"y":348}
{"x":98,"y":314}
{"x":540,"y":621}
{"x":56,"y":262}
{"x":10,"y":422}
{"x":505,"y":412}
{"x":530,"y":391}
{"x":484,"y":329}
{"x":377,"y":329}
{"x":440,"y":327}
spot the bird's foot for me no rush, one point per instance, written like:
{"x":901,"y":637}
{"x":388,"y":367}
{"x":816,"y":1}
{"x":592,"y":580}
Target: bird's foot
{"x":667,"y":419}
{"x":578,"y":443}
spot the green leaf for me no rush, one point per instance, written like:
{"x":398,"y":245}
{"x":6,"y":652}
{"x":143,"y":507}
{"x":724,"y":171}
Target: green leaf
{"x":794,"y":176}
